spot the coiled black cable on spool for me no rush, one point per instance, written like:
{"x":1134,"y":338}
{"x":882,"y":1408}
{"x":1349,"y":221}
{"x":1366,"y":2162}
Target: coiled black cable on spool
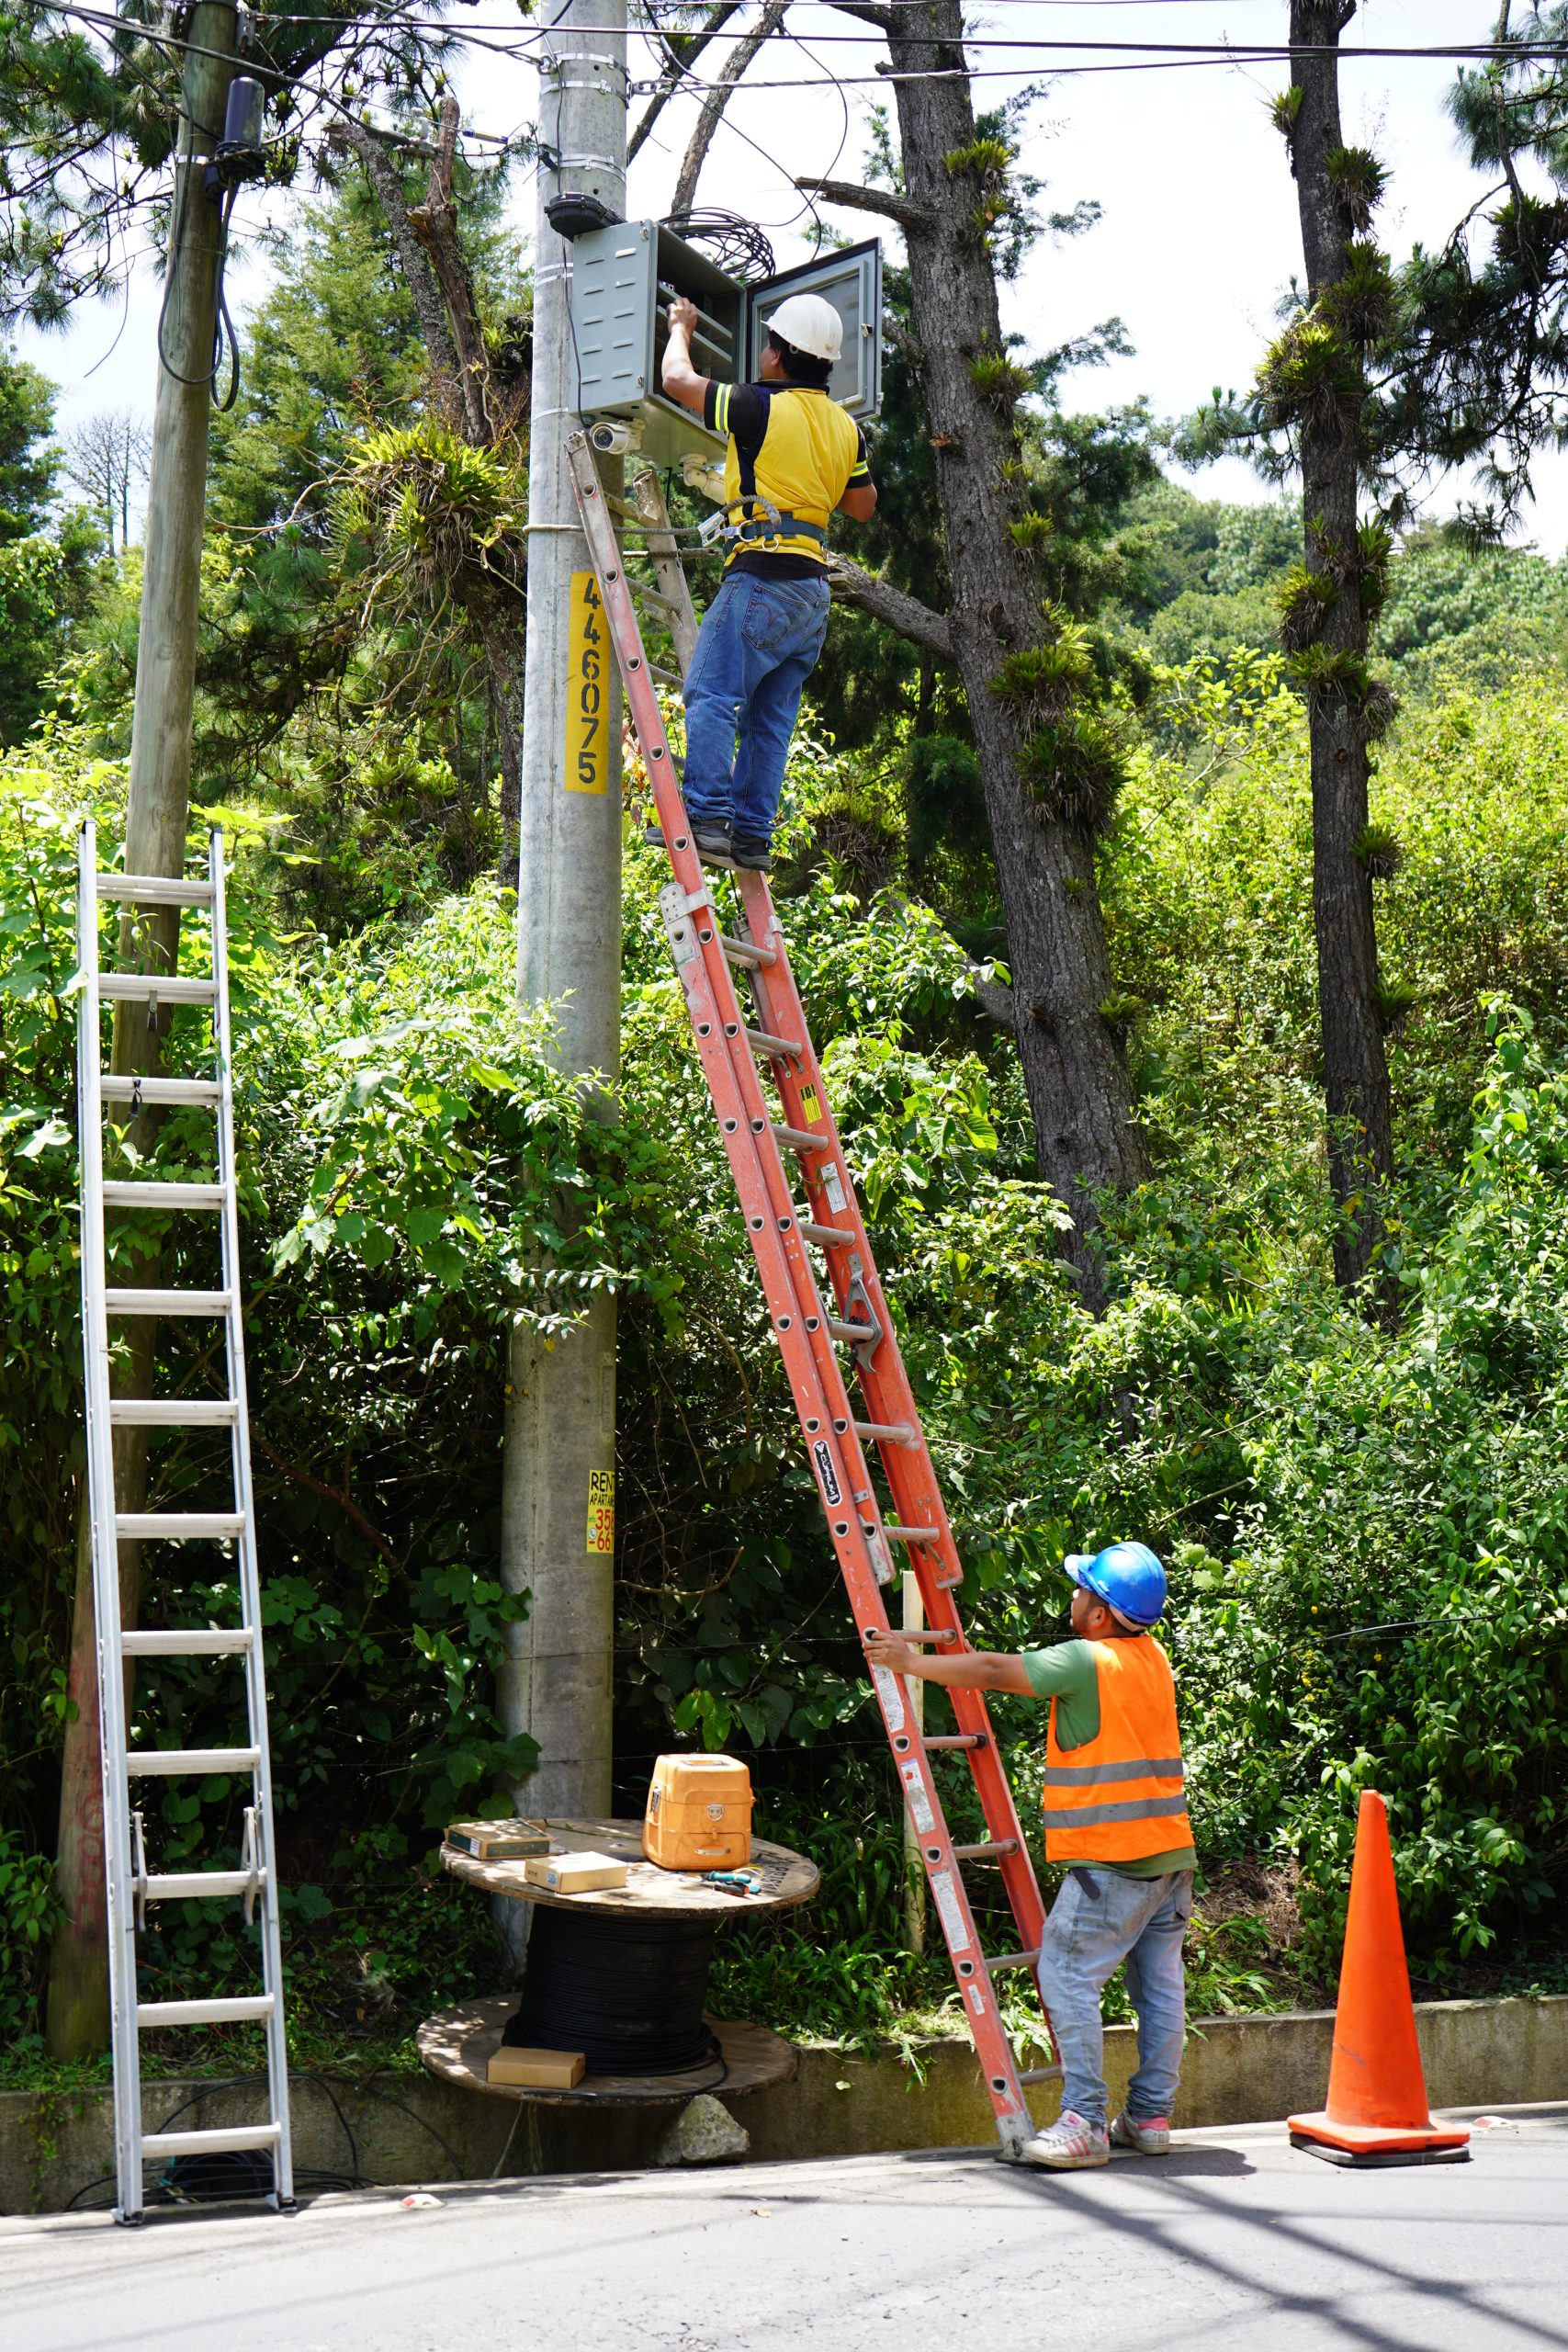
{"x":628,"y":1993}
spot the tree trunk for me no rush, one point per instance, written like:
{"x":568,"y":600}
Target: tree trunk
{"x":1087,"y":1139}
{"x":1356,"y":1088}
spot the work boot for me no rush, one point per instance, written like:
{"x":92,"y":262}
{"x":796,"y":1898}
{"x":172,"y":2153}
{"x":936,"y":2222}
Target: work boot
{"x":711,"y":841}
{"x":1072,"y":2145}
{"x":1150,"y":2134}
{"x":755,"y":856}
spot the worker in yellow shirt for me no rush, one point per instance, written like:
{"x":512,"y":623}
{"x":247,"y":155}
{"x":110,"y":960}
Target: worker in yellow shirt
{"x":1116,"y":1816}
{"x":794,"y":458}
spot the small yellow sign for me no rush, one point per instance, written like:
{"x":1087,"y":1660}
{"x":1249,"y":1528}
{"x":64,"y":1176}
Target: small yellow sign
{"x":588,"y":696}
{"x":810,"y":1105}
{"x":600,"y":1510}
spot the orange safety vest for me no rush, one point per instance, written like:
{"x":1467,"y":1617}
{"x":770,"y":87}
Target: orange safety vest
{"x":1120,"y":1797}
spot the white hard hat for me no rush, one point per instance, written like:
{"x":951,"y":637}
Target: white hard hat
{"x":810,"y":324}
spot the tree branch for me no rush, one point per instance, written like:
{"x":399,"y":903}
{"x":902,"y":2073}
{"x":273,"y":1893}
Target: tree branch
{"x":717,"y":98}
{"x":435,"y":224}
{"x":883,"y":19}
{"x":418,"y":276}
{"x":993,"y":999}
{"x":905,"y":615}
{"x":684,"y":50}
{"x":874,"y":199}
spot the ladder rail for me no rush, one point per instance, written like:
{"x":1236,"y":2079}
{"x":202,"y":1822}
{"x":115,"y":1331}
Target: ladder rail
{"x":801,"y":1323}
{"x":116,"y":1798}
{"x":249,"y":1563}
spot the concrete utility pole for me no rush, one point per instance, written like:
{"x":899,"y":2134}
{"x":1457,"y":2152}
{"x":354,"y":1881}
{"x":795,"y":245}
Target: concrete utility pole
{"x":559,"y":1479}
{"x":155,"y":844}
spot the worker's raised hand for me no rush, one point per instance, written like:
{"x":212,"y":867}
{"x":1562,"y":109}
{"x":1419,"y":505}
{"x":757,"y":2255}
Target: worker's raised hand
{"x":886,"y":1649}
{"x":682,"y":314}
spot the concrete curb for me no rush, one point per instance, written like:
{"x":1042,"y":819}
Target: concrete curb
{"x":401,"y":2127}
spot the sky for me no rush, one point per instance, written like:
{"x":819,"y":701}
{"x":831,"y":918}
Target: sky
{"x":1197,"y":237}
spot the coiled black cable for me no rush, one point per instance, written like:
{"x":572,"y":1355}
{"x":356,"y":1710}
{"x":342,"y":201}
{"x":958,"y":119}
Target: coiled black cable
{"x":627,"y":1992}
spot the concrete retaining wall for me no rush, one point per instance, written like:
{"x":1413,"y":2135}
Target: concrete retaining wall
{"x":1236,"y":2070}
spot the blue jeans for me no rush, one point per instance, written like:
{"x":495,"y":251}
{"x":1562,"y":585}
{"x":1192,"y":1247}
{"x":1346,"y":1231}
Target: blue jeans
{"x":758,"y":645}
{"x":1097,"y":1920}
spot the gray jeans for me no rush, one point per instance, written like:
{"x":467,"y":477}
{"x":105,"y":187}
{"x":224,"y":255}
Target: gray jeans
{"x":1097,"y":1920}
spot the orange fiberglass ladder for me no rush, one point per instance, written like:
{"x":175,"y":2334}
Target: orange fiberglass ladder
{"x":738,"y":1050}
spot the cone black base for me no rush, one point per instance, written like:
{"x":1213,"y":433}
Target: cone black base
{"x":1355,"y":2163}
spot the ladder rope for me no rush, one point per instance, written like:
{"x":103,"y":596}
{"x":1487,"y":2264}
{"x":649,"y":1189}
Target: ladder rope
{"x":811,"y":1320}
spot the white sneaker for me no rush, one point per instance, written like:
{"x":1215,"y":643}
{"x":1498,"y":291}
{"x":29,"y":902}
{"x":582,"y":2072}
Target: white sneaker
{"x":1070,"y":2145}
{"x":1150,"y":2134}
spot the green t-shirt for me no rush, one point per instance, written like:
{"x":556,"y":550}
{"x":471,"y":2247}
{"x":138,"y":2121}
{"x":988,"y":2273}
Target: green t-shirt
{"x":1069,"y":1673}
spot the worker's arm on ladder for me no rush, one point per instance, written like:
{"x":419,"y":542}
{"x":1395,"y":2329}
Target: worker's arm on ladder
{"x":969,"y":1670}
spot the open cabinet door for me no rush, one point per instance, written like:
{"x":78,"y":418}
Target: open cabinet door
{"x":852,"y":281}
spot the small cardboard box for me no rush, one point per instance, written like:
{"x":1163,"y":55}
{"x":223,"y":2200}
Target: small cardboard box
{"x":499,"y":1842}
{"x":538,"y":2070}
{"x":574,"y":1873}
{"x":699,"y":1814}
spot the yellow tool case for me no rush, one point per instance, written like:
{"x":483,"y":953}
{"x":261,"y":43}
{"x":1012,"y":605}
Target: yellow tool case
{"x":699,"y":1814}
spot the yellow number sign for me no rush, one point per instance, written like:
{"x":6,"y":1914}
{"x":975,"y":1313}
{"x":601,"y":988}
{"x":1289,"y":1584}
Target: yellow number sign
{"x":600,"y":1510}
{"x":587,"y":689}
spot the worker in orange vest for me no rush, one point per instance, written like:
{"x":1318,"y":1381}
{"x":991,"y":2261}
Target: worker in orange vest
{"x":1116,"y":1817}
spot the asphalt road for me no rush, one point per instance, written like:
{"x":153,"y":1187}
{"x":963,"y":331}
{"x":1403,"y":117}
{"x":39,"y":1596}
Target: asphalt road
{"x":1231,"y":2242}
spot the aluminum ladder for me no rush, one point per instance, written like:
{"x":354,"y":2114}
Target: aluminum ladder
{"x":742,"y":1051}
{"x":130,"y":1885}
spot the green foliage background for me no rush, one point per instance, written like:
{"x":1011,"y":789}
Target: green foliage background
{"x":1366,"y":1533}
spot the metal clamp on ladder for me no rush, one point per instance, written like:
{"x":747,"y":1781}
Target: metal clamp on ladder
{"x":131,"y":1885}
{"x":853,"y":1447}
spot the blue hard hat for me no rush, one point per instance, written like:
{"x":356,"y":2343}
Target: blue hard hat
{"x":1127,"y":1576}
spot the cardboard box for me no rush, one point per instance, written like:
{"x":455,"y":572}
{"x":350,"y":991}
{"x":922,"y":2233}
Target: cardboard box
{"x":538,"y":2070}
{"x":699,"y":1814}
{"x":499,"y":1842}
{"x":574,"y":1873}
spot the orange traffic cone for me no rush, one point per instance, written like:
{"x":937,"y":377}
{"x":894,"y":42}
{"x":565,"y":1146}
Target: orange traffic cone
{"x":1376,"y":2111}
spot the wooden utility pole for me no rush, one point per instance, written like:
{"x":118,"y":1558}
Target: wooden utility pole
{"x":156,"y":817}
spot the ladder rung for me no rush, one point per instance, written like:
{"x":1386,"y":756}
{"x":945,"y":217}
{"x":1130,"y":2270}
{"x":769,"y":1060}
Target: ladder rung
{"x":177,"y":1526}
{"x":173,"y":1412}
{"x":941,"y":1634}
{"x":159,"y":1090}
{"x":831,"y":1236}
{"x":195,"y":1641}
{"x":195,"y":1886}
{"x":167,"y":1302}
{"x":741,"y":951}
{"x":621,"y":508}
{"x":776,"y":1049}
{"x":119,"y":1195}
{"x":154,"y":890}
{"x":173,"y":990}
{"x":665,"y":677}
{"x":242,"y":2009}
{"x":173,"y":1763}
{"x":886,"y":1433}
{"x":1000,"y":1852}
{"x":855,"y":1335}
{"x":802,"y":1139}
{"x":955,"y":1739}
{"x":902,"y":1534}
{"x":656,"y":596}
{"x":1001,"y":1959}
{"x":155,"y":2144}
{"x":1040,"y":2074}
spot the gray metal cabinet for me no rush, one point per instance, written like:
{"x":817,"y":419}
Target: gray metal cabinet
{"x":623,"y":279}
